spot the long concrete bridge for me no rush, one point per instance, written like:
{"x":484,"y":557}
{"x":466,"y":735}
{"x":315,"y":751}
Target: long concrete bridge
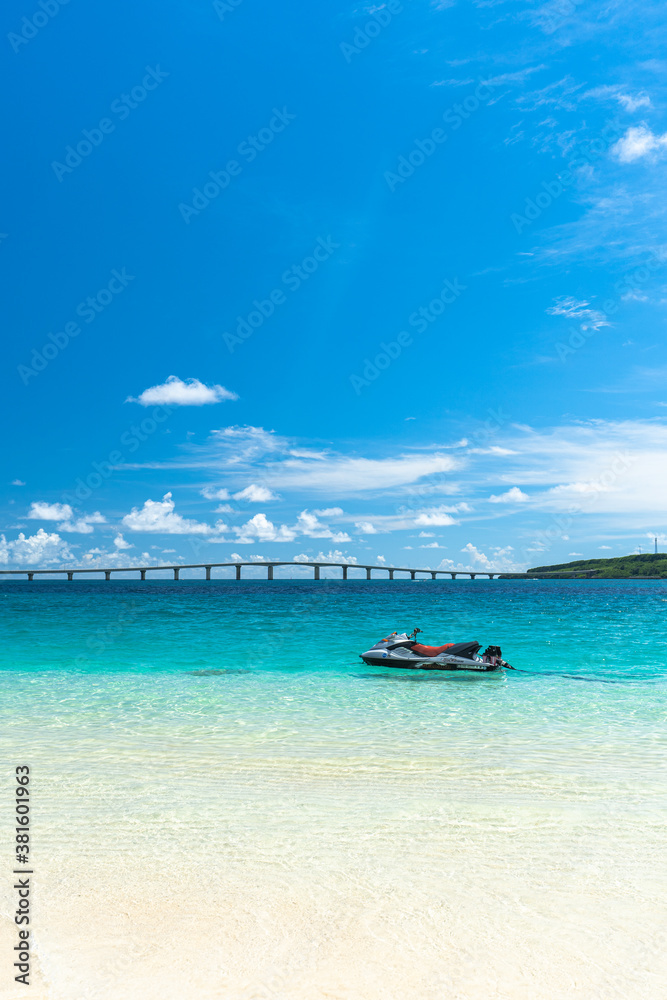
{"x":269,"y":564}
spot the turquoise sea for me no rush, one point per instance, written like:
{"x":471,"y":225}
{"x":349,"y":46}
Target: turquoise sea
{"x":228,"y":803}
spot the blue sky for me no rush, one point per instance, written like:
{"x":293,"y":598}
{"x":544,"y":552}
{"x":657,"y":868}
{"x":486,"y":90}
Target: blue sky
{"x":385,"y":281}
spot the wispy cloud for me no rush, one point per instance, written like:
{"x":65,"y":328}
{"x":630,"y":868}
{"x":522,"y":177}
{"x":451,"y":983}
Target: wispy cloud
{"x":561,"y":94}
{"x":629,"y":102}
{"x":453,"y":82}
{"x":517,"y":76}
{"x":618,"y":464}
{"x":580,"y":310}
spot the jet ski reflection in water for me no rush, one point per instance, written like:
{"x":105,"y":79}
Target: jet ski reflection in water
{"x":403,"y":651}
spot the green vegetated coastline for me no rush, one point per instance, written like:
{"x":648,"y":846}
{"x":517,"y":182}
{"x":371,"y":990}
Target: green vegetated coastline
{"x":648,"y":564}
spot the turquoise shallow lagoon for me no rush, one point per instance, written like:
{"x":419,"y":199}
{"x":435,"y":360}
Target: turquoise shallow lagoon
{"x":229,"y":803}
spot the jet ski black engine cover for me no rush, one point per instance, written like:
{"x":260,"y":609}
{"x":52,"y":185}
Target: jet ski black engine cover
{"x":468,"y":650}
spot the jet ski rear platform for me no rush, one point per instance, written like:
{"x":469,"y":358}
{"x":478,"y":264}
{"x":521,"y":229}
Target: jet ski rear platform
{"x":402,"y":651}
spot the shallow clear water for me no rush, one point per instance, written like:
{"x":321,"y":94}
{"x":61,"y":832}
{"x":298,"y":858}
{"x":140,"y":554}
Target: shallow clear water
{"x":229,"y":803}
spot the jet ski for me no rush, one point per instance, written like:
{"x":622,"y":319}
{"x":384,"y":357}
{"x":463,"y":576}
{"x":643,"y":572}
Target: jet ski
{"x":404,"y":652}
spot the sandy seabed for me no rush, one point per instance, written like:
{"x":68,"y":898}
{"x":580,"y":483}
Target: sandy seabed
{"x":304,"y":883}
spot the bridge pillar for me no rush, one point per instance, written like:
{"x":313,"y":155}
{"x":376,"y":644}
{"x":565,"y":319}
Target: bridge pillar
{"x":491,"y":576}
{"x":176,"y":572}
{"x":208,"y":572}
{"x":412,"y":574}
{"x":368,"y":572}
{"x":270,"y":573}
{"x":472,"y":576}
{"x":391,"y":574}
{"x":432,"y":576}
{"x":107,"y":574}
{"x":317,"y":573}
{"x":238,"y":571}
{"x":453,"y":576}
{"x":143,"y":574}
{"x":70,"y":576}
{"x":345,"y":572}
{"x":30,"y":576}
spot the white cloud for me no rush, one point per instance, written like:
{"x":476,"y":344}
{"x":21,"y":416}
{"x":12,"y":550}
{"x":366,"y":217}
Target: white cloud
{"x":175,"y":392}
{"x":40,"y":549}
{"x":17,"y":482}
{"x":104,"y":558}
{"x":436,"y":517}
{"x":260,"y":529}
{"x":81,"y":524}
{"x":256,"y":494}
{"x":637,"y":142}
{"x":308,"y":524}
{"x":50,"y":511}
{"x":120,"y":543}
{"x":575,"y":553}
{"x":224,"y":508}
{"x":604,"y":546}
{"x":501,"y":560}
{"x":214,"y":493}
{"x":158,"y":516}
{"x":515,"y":495}
{"x":365,"y":528}
{"x":335,"y":556}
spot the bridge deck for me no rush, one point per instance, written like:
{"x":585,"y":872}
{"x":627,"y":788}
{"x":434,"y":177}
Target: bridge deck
{"x":269,"y":564}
